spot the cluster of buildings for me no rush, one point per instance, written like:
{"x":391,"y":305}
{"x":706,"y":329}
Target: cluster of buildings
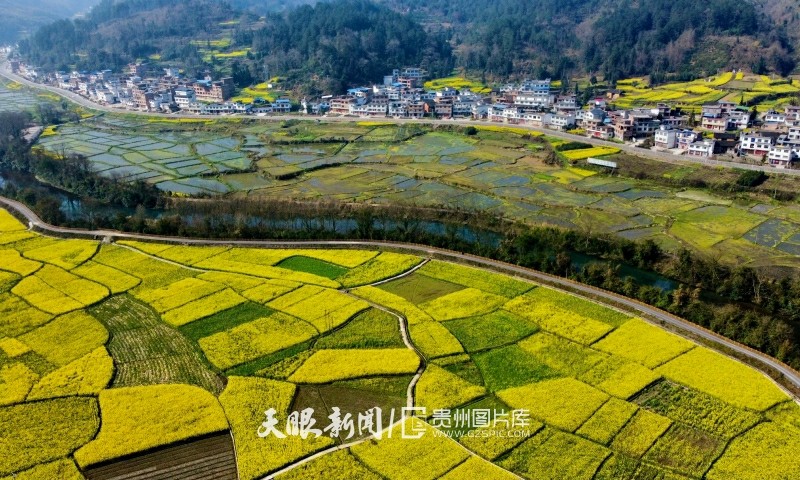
{"x":138,"y":89}
{"x":723,"y":127}
{"x":401,"y":95}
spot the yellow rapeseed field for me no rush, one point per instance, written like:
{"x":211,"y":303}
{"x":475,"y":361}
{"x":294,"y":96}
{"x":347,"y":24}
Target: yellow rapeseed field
{"x":135,"y":419}
{"x":245,"y":400}
{"x":607,"y":421}
{"x":565,"y":403}
{"x":255,"y":339}
{"x":724,"y":378}
{"x":329,"y":365}
{"x":438,"y":388}
{"x":425,"y":458}
{"x":87,"y":375}
{"x":203,"y":307}
{"x":641,"y":342}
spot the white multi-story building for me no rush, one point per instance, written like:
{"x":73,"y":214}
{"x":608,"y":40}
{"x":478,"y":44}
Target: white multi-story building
{"x":781,"y":156}
{"x":566,"y":104}
{"x":754,"y":144}
{"x":738,"y":120}
{"x":666,"y":137}
{"x":397,"y":109}
{"x":560,"y":122}
{"x":702,"y":148}
{"x":462,"y":107}
{"x":673,"y":122}
{"x":184,"y":96}
{"x":775,"y":118}
{"x":536,"y":119}
{"x":534,"y":93}
{"x":792,"y":113}
{"x":604,"y":132}
{"x":377,"y":109}
{"x":282,"y":105}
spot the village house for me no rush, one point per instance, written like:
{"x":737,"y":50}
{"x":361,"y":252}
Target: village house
{"x":701,"y":148}
{"x":754,"y":144}
{"x":781,"y":156}
{"x":685,"y":138}
{"x":208,"y":90}
{"x":666,"y":137}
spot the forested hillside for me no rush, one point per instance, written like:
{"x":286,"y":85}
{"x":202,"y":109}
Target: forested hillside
{"x":116,"y":33}
{"x":345,"y":42}
{"x":338,"y":48}
{"x":264,"y":7}
{"x":321,"y":47}
{"x":612,"y":37}
{"x":20,"y":17}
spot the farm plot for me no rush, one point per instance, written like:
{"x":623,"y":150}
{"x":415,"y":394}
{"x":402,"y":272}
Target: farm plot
{"x":511,"y":366}
{"x":545,"y":457}
{"x":468,"y":302}
{"x":553,"y":318}
{"x":66,"y":338}
{"x":371,"y":329}
{"x":607,"y":421}
{"x":580,"y":401}
{"x":244,"y":401}
{"x":686,"y":450}
{"x":328,"y":365}
{"x":324,"y":309}
{"x":158,"y":414}
{"x":637,"y":403}
{"x":640,"y":433}
{"x":723,"y":378}
{"x":475,"y":278}
{"x":148,"y":352}
{"x":255,"y":339}
{"x":56,"y":291}
{"x":14,"y":97}
{"x":485,"y":332}
{"x":764,"y":452}
{"x":491,"y":171}
{"x":709,"y":225}
{"x":696,"y":409}
{"x":174,"y":160}
{"x":438,"y":388}
{"x":396,"y":458}
{"x":644,"y":343}
{"x":583,"y":153}
{"x":17,"y":316}
{"x":85,"y":376}
{"x":39,"y":432}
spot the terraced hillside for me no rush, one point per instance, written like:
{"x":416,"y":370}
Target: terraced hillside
{"x":220,"y":334}
{"x":762,"y":91}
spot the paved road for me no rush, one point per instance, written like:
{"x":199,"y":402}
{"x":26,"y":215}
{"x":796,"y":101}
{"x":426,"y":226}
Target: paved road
{"x":758,"y":359}
{"x":664,"y":157}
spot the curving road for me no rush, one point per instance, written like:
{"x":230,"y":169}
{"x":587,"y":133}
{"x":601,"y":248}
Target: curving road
{"x":660,"y":156}
{"x":765,"y":363}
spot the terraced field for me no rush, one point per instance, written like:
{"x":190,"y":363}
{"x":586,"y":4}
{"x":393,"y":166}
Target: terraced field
{"x":14,"y":97}
{"x":759,"y":90}
{"x":133,"y":355}
{"x":499,"y":170}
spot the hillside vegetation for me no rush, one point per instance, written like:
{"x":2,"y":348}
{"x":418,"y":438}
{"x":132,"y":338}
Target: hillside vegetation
{"x":21,"y":17}
{"x":325,"y":46}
